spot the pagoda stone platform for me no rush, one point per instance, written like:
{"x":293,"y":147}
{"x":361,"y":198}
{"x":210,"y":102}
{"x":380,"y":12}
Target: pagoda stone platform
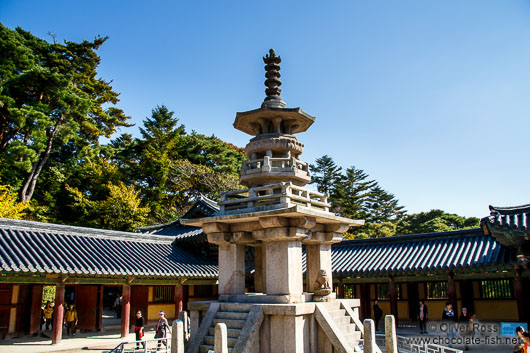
{"x":279,"y":219}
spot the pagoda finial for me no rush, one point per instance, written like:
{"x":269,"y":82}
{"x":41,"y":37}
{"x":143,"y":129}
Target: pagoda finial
{"x":273,"y":83}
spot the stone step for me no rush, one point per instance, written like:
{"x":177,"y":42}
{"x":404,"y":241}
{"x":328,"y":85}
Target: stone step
{"x":344,"y":320}
{"x":236,"y":307}
{"x":234,"y":333}
{"x":337,"y":313}
{"x":210,"y":340}
{"x":347,"y":329}
{"x":233,"y":315}
{"x":230,"y":323}
{"x":333,"y":305}
{"x":205,"y":348}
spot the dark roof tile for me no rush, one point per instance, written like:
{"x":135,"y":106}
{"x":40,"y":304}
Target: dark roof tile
{"x":34,"y":247}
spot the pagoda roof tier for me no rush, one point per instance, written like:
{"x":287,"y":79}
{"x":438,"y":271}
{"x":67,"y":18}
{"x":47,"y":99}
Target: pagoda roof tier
{"x":289,"y":212}
{"x":255,"y":122}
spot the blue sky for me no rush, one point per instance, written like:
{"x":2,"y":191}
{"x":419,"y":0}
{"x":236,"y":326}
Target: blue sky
{"x":431,"y":98}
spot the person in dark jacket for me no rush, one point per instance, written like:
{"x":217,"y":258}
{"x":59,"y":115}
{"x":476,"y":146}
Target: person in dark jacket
{"x":139,"y":329}
{"x":464,"y":325}
{"x":449,"y":318}
{"x":378,"y":314}
{"x":423,"y":313}
{"x":162,"y":327}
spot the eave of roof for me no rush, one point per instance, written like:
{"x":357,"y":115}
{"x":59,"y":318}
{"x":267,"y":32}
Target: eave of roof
{"x":32,"y":247}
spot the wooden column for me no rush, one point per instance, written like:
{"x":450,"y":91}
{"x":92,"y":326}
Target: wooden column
{"x":99,"y":310}
{"x":519,"y":296}
{"x":393,"y":298}
{"x":125,"y":310}
{"x":185,"y":297}
{"x":451,"y":292}
{"x":341,"y":288}
{"x":365,"y":300}
{"x":36,"y":304}
{"x":13,"y":312}
{"x":177,"y":298}
{"x":58,"y":314}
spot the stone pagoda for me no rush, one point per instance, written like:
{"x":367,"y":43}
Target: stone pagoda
{"x":280,"y":219}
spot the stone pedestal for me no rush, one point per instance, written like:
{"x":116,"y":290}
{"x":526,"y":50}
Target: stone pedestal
{"x":318,"y":257}
{"x":284,"y":268}
{"x":232,"y":269}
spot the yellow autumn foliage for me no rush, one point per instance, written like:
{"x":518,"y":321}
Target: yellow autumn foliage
{"x":9,"y":206}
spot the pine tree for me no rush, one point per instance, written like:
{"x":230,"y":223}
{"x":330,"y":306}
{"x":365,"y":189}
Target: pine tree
{"x":352,"y":193}
{"x":383,"y":206}
{"x":326,"y":174}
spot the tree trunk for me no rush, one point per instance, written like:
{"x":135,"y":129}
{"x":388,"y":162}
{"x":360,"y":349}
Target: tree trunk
{"x":29,"y":185}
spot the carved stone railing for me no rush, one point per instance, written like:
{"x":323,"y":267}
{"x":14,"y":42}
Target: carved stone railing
{"x":271,"y":164}
{"x":270,"y":197}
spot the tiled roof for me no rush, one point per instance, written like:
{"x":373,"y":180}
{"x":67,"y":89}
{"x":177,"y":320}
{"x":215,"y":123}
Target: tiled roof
{"x":464,"y":250}
{"x":183,"y":233}
{"x":510,"y":217}
{"x":33,"y":247}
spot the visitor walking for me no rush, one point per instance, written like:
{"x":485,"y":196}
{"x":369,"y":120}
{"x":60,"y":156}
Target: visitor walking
{"x":139,"y":329}
{"x":48,"y":315}
{"x":71,"y":320}
{"x":378,"y":314}
{"x":162,"y":327}
{"x":422,"y":316}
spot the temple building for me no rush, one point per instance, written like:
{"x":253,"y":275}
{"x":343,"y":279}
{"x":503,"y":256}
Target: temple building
{"x":269,"y":260}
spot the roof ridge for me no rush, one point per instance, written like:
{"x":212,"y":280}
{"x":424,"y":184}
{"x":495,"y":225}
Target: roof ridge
{"x":510,"y":209}
{"x":409,"y":237}
{"x":80,"y":231}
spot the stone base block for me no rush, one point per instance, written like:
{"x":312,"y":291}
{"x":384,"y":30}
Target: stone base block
{"x":325,"y":298}
{"x":266,"y":298}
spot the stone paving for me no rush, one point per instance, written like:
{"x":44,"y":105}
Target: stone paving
{"x":82,"y":342}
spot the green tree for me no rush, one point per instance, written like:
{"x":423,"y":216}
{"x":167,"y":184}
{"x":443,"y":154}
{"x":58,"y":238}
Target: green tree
{"x":49,"y":95}
{"x":192,"y":180}
{"x":120,"y":210}
{"x":434,"y":221}
{"x":326,"y":174}
{"x":352,"y":193}
{"x":373,"y":230}
{"x":383,"y":206}
{"x":161,"y":137}
{"x":212,"y":152}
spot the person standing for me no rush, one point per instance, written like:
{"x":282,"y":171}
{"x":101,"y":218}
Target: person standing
{"x":117,"y":307}
{"x":48,"y":315}
{"x":464,"y":326}
{"x":162,"y":327}
{"x":526,"y":340}
{"x":449,"y":318}
{"x":422,"y":316}
{"x":71,"y":320}
{"x":378,"y":313}
{"x":139,"y":328}
{"x":519,"y":347}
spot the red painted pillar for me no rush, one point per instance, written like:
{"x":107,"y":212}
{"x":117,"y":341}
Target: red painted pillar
{"x":451,"y":292}
{"x":58,"y":313}
{"x":178,"y":300}
{"x":36,"y":304}
{"x":125,"y":310}
{"x":393,"y":298}
{"x":341,"y":289}
{"x":519,"y":296}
